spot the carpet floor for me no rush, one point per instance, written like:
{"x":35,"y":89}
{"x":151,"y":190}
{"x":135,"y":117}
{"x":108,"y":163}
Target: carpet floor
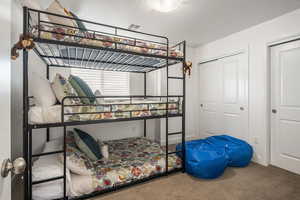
{"x":254,"y":182}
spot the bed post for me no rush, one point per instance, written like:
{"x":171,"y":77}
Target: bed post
{"x":145,"y":94}
{"x":30,"y":163}
{"x":183,"y":109}
{"x":25,"y":106}
{"x":65,"y":164}
{"x":167,"y":109}
{"x":47,"y":129}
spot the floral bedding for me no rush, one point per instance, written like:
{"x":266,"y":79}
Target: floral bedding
{"x":106,"y":41}
{"x":129,"y":159}
{"x":122,"y":109}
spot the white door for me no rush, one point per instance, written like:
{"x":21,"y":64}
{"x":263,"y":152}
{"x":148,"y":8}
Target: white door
{"x":285,"y":105}
{"x":235,"y":96}
{"x":5,"y":68}
{"x":210,"y":99}
{"x":224,"y":97}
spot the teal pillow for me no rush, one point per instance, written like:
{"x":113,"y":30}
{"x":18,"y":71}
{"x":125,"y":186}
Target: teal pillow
{"x":87,"y":144}
{"x":82,"y":89}
{"x":79,"y":23}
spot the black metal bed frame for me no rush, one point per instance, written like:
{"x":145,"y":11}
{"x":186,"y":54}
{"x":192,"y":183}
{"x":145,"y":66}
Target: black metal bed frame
{"x":111,"y":59}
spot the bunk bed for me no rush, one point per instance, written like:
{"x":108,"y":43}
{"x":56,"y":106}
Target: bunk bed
{"x":107,"y":48}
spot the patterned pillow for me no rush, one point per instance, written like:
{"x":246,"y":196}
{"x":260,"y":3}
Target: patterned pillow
{"x":77,"y":161}
{"x":57,"y":8}
{"x":87,"y":144}
{"x":63,"y":88}
{"x":82,"y":89}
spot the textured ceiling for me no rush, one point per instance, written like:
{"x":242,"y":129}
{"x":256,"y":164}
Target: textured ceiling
{"x":197,"y":21}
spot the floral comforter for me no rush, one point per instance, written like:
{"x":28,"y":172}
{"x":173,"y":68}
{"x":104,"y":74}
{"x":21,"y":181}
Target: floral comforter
{"x":122,"y":109}
{"x":129,"y":159}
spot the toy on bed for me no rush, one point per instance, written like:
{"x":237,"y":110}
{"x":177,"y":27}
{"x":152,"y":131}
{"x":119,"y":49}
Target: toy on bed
{"x":25,"y":42}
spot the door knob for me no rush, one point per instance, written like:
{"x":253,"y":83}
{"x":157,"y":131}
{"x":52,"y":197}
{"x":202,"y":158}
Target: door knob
{"x":274,"y":111}
{"x":201,"y":105}
{"x":16,"y":167}
{"x":242,"y":108}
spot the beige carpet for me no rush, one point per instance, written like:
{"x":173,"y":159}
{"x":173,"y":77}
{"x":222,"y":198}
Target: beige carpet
{"x":251,"y":183}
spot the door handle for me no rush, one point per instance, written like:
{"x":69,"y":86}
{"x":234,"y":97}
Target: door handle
{"x":274,"y":111}
{"x":242,"y":108}
{"x":201,"y":105}
{"x":16,"y":167}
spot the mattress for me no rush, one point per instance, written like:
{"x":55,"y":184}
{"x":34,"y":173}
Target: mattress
{"x":109,"y":109}
{"x":61,"y":33}
{"x":129,"y":159}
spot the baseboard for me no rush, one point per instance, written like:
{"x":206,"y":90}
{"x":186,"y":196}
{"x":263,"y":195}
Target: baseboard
{"x":177,"y":139}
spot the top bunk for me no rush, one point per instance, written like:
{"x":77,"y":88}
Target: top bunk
{"x":69,"y":42}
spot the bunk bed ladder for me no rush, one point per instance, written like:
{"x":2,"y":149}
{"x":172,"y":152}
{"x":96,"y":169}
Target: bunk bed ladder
{"x":30,"y":162}
{"x":182,"y":132}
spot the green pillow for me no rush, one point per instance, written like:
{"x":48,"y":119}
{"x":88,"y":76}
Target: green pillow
{"x":87,"y":144}
{"x":82,"y":89}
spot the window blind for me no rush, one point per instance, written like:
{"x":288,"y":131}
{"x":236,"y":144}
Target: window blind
{"x":108,"y":82}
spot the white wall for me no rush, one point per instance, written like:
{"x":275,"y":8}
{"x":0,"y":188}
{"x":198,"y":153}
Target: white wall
{"x":16,"y":85}
{"x":5,"y":93}
{"x":256,"y":39}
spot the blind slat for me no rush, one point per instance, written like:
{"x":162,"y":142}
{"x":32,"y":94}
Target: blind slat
{"x":109,"y":83}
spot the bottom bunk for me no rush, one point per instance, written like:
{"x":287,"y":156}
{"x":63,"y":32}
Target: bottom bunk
{"x":127,"y":160}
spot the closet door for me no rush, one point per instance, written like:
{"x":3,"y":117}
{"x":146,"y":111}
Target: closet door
{"x":285,"y":105}
{"x":210,"y":98}
{"x":224,"y":97}
{"x":235,"y":96}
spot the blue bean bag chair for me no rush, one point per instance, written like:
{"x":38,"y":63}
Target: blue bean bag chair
{"x":208,"y":158}
{"x":204,"y":160}
{"x":239,"y":152}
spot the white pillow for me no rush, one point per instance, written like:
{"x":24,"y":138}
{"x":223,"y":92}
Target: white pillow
{"x":57,"y":8}
{"x":103,"y":148}
{"x":42,"y":91}
{"x":98,"y":93}
{"x":61,"y":88}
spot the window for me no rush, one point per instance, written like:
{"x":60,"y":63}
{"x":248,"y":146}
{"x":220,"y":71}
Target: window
{"x":108,"y":82}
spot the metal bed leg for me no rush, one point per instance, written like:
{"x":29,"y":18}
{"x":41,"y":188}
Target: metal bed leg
{"x":145,"y":128}
{"x":167,"y":110}
{"x":48,"y":129}
{"x":65,"y":164}
{"x":145,"y":94}
{"x":27,"y":193}
{"x":30,"y":163}
{"x":183,"y":111}
{"x":48,"y":134}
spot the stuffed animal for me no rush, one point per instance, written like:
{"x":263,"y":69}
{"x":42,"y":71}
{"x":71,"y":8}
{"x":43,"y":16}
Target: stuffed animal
{"x":188,"y":68}
{"x":25,"y":42}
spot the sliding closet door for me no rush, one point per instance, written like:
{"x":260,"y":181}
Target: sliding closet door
{"x":224,"y":97}
{"x":235,"y":96}
{"x":210,"y":83}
